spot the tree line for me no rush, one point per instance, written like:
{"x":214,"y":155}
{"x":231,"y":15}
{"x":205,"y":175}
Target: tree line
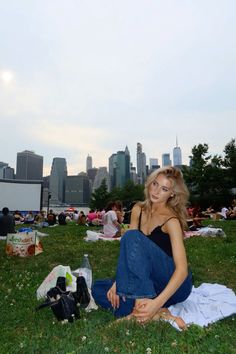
{"x":211,"y":181}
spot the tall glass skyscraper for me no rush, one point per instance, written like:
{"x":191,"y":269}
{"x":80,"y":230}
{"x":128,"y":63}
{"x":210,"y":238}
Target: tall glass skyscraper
{"x":29,"y":166}
{"x":166,"y":161}
{"x":141,"y":164}
{"x":119,"y":168}
{"x":177,"y":155}
{"x":57,"y":180}
{"x":89,"y":163}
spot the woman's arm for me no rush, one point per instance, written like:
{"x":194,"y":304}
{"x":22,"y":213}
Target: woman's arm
{"x":134,"y":219}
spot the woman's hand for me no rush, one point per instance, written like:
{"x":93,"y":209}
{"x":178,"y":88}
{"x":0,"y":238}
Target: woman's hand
{"x":113,"y":297}
{"x":145,"y":310}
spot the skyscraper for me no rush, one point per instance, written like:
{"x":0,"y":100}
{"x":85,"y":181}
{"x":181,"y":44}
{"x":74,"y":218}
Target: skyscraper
{"x":153,"y":165}
{"x":166,"y":161}
{"x":177,"y":156}
{"x":77,"y":190}
{"x":89,"y":163}
{"x":141,"y":164}
{"x":102,"y":174}
{"x":119,"y":168}
{"x":29,"y":166}
{"x":57,"y":180}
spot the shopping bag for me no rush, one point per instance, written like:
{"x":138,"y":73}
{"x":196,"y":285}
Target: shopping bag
{"x":23,"y":244}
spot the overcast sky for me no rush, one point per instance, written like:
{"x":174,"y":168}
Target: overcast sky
{"x":81,"y":77}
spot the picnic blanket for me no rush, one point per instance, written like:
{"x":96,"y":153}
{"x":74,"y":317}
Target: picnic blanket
{"x":205,"y":232}
{"x":206,"y":304}
{"x":92,"y":236}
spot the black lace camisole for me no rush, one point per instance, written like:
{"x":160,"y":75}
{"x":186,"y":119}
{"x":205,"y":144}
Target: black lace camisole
{"x":160,"y":238}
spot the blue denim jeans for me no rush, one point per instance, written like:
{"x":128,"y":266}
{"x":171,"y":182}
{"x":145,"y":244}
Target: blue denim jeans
{"x":143,"y":271}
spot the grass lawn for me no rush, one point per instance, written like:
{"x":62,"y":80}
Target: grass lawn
{"x":23,"y":330}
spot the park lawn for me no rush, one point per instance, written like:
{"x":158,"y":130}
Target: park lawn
{"x":23,"y":330}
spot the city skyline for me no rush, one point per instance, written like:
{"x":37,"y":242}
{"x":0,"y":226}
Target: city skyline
{"x":133,"y":160}
{"x":93,"y":77}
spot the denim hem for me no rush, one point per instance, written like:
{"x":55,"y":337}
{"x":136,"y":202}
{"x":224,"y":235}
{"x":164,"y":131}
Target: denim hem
{"x":136,"y":296}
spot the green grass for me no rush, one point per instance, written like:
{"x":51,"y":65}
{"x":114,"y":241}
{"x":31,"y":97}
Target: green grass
{"x":25,"y":331}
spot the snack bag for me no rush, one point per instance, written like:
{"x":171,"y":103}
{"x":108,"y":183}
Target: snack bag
{"x":23,"y":244}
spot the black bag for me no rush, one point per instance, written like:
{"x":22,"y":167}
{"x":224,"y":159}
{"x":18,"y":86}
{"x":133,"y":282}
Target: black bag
{"x":82,"y":294}
{"x":64,"y":304}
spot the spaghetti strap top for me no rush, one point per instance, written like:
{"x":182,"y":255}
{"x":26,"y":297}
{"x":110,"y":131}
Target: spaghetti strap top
{"x":159,"y":237}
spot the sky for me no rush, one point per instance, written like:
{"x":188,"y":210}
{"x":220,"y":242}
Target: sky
{"x":81,"y":77}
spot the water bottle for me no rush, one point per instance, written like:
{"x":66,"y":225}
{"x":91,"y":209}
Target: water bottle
{"x":85,"y":270}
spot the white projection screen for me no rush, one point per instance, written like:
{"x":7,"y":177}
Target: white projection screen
{"x":20,"y":196}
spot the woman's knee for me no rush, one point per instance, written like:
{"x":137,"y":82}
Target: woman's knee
{"x":130,"y":236}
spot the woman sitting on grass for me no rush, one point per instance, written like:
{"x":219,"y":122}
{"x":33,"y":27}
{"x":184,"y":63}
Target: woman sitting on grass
{"x":152,"y":271}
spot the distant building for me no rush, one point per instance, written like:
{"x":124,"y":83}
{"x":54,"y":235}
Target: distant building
{"x":89,"y":163}
{"x":91,"y":173}
{"x":133,"y":174}
{"x":153,"y":165}
{"x":29,"y":166}
{"x":112,"y":170}
{"x":119,"y":168}
{"x":141,"y":164}
{"x":77,"y":190}
{"x":6,"y":172}
{"x":166,"y":161}
{"x":57,"y":180}
{"x":177,"y":155}
{"x":102,"y":174}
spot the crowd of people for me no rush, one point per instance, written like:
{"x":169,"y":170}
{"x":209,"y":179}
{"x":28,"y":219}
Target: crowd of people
{"x":110,"y":219}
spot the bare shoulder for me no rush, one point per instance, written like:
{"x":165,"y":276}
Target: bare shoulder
{"x":135,"y":216}
{"x":172,"y":226}
{"x":136,"y":209}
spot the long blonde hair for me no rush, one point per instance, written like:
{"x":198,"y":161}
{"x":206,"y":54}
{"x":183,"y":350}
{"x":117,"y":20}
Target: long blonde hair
{"x":177,"y":204}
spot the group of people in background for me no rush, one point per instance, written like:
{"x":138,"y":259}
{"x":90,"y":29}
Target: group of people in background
{"x":196,"y":215}
{"x":110,"y":218}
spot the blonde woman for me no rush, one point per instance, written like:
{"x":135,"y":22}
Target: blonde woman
{"x":152,"y":271}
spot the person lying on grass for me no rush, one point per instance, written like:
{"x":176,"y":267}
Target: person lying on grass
{"x":152,"y":271}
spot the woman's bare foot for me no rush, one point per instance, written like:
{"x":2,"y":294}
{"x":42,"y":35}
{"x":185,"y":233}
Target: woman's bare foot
{"x":165,"y":314}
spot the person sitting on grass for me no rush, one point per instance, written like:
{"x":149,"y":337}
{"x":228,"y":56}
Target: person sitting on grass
{"x":152,"y":271}
{"x":81,"y":219}
{"x":7,"y":222}
{"x":111,"y":226}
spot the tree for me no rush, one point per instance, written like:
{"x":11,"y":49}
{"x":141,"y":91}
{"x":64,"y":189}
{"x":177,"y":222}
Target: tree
{"x":206,"y":179}
{"x":195,"y":174}
{"x":131,"y":193}
{"x":230,"y":163}
{"x":100,"y":197}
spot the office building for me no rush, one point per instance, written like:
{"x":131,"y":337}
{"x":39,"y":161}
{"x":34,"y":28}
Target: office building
{"x":89,"y":163}
{"x":6,"y":172}
{"x":102,"y":174}
{"x":141,"y":164}
{"x":77,"y":190}
{"x":153,"y":165}
{"x":119,"y":168}
{"x":166,"y":161}
{"x":29,"y":166}
{"x":57,"y":180}
{"x":177,"y":155}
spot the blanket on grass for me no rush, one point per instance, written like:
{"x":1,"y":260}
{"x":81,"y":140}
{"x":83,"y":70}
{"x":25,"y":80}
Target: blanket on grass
{"x":92,"y":236}
{"x":206,"y":304}
{"x":205,"y":232}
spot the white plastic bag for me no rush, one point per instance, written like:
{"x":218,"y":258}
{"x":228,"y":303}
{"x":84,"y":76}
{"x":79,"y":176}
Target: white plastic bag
{"x":51,"y":280}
